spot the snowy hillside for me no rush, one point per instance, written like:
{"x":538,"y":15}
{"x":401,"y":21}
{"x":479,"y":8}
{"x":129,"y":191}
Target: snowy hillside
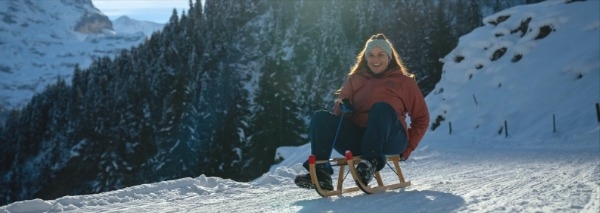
{"x":482,"y":165}
{"x":523,"y":68}
{"x":44,"y":40}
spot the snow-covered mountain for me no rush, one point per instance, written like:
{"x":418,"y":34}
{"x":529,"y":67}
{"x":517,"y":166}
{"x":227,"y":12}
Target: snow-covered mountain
{"x":126,"y":25}
{"x":535,"y":67}
{"x":42,"y":41}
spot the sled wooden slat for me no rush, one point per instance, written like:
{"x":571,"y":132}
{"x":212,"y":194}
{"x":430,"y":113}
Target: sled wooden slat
{"x":350,"y":161}
{"x":339,"y":189}
{"x":337,"y":161}
{"x":341,"y":177}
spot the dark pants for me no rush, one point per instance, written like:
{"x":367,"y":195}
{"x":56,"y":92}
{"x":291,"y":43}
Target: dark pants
{"x":384,"y":135}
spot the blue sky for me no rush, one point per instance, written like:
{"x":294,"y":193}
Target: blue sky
{"x":157,"y":11}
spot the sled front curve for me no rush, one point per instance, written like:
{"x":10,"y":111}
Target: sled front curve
{"x":339,"y":189}
{"x":350,"y":161}
{"x":380,"y":186}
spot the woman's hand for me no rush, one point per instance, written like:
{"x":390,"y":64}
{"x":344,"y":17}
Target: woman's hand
{"x":346,"y":106}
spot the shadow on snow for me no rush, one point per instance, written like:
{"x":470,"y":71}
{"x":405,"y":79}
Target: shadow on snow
{"x":393,"y":201}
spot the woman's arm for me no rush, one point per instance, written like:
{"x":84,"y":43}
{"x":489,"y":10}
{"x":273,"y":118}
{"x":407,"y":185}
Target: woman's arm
{"x":419,"y":118}
{"x":346,"y":92}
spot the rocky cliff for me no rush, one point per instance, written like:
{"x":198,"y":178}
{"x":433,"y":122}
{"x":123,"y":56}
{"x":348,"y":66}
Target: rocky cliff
{"x":93,"y":23}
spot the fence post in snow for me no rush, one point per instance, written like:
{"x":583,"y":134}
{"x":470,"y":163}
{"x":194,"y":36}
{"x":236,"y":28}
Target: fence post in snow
{"x":450,"y":125}
{"x":554,"y":123}
{"x":598,"y":111}
{"x":475,"y":99}
{"x":505,"y":129}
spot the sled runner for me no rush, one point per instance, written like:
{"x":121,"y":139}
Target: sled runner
{"x":350,"y":161}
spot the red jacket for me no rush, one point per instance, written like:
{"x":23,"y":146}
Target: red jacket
{"x":394,"y":88}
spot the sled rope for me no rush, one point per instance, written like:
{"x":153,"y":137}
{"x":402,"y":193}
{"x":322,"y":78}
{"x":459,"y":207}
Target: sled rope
{"x":390,"y":166}
{"x":345,"y":176}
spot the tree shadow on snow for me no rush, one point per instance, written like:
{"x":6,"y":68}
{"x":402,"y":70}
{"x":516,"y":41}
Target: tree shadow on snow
{"x":392,"y":201}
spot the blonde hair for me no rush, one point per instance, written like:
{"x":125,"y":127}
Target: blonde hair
{"x":395,"y":62}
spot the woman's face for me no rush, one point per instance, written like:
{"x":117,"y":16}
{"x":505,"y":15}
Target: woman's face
{"x":377,"y":60}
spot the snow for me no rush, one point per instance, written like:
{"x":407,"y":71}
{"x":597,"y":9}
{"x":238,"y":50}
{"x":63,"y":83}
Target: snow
{"x":532,"y":168}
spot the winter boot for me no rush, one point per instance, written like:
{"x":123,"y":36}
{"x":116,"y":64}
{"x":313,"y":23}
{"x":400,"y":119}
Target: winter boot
{"x":304,"y":181}
{"x":366,"y":170}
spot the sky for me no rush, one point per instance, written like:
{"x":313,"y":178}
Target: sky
{"x":475,"y":168}
{"x":158,"y":11}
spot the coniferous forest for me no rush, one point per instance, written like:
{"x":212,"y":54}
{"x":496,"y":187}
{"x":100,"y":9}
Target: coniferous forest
{"x":215,"y":92}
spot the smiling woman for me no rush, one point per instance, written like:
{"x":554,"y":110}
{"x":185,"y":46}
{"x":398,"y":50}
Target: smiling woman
{"x":158,"y":11}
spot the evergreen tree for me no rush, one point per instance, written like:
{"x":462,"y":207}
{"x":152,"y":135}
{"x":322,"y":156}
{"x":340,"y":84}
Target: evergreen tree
{"x":442,"y":42}
{"x":276,"y":122}
{"x":468,"y":16}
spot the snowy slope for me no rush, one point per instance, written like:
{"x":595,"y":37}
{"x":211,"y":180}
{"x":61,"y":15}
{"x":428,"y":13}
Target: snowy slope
{"x":556,"y":75}
{"x":40,"y":44}
{"x":474,"y":169}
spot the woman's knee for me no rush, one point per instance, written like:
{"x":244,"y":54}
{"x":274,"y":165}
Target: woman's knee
{"x":321,"y":117}
{"x":321,"y":114}
{"x":382,"y":106}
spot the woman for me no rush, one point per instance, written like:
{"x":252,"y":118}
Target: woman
{"x":381,"y":92}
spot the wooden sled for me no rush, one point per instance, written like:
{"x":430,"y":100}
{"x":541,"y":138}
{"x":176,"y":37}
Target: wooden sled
{"x":350,"y":161}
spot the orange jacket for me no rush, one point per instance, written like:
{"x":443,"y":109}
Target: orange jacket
{"x":394,"y":88}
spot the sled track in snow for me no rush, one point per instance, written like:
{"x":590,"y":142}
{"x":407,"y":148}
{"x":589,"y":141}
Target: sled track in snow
{"x":516,"y":181}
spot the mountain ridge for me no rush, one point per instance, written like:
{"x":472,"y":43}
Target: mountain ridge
{"x":45,"y":40}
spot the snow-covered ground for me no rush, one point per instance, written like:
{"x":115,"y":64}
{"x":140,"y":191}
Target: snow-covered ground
{"x":445,"y":178}
{"x":476,"y":168}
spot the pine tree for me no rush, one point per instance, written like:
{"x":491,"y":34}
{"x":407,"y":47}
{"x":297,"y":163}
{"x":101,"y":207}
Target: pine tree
{"x":468,"y":16}
{"x":442,"y":42}
{"x":276,"y":122}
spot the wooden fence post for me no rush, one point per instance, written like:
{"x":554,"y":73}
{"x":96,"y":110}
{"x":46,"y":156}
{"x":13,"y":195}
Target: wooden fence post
{"x":554,"y":123}
{"x":598,"y":111}
{"x":505,"y":129}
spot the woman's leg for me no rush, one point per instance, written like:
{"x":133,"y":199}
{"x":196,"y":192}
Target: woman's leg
{"x":322,"y":129}
{"x":384,"y":134}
